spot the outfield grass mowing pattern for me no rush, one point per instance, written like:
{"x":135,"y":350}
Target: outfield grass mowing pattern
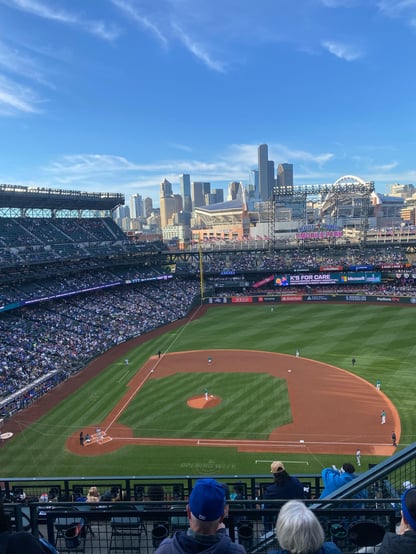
{"x":252,"y":406}
{"x":380,"y":337}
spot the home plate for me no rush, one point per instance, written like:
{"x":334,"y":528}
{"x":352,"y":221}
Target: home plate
{"x":301,"y":440}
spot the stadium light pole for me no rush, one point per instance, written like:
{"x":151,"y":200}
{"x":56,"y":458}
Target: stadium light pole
{"x":201,"y":271}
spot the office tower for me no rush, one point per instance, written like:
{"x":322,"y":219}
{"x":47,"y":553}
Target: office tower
{"x":218,"y":195}
{"x":234,"y":190}
{"x":178,"y":203}
{"x":206,"y":188}
{"x":253,"y":178}
{"x":121,"y":211}
{"x":285,"y":175}
{"x":198,"y":190}
{"x":167,"y":203}
{"x":185,"y":189}
{"x":270,"y":177}
{"x":136,"y":206}
{"x":148,"y":206}
{"x":263,"y":157}
{"x":165,"y":188}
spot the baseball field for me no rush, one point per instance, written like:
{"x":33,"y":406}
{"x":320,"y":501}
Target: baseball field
{"x":228,"y":395}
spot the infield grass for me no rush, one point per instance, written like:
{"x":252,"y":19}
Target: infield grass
{"x":379,"y":337}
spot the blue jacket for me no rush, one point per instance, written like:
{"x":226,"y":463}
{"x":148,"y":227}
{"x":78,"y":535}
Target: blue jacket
{"x":333,"y":479}
{"x":184,"y":542}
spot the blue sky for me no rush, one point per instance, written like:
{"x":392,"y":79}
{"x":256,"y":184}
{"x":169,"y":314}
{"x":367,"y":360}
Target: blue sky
{"x":116,"y":95}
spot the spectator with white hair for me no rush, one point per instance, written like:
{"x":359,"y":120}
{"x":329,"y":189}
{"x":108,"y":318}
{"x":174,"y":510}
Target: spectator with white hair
{"x":298,"y":531}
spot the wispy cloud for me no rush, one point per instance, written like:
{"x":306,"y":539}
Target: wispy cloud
{"x":15,"y":99}
{"x":342,"y":51}
{"x":339,"y":3}
{"x":396,"y":8}
{"x":198,"y":50}
{"x":131,"y":11}
{"x":399,"y":9}
{"x":183,"y":147}
{"x":50,"y":12}
{"x":386,"y":167}
{"x":14,"y":62}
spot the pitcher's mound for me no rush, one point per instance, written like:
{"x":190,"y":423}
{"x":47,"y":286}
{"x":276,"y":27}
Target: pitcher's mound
{"x":199,"y":402}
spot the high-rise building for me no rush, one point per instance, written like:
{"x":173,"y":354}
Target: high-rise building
{"x":285,"y":175}
{"x":270,"y":177}
{"x":136,"y":206}
{"x":179,"y":203}
{"x":218,"y":196}
{"x":198,"y":191}
{"x":234,"y":190}
{"x":165,"y":188}
{"x":263,"y":157}
{"x":167,"y":203}
{"x":148,"y":206}
{"x":185,"y":189}
{"x":253,"y":178}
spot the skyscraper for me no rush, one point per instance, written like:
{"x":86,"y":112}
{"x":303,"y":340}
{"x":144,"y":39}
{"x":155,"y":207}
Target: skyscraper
{"x":270,"y":177}
{"x":253,"y":179}
{"x":198,"y":191}
{"x":285,"y":175}
{"x":148,"y":206}
{"x":165,"y":188}
{"x":263,"y":157}
{"x":136,"y":206}
{"x":185,"y":189}
{"x":167,"y":203}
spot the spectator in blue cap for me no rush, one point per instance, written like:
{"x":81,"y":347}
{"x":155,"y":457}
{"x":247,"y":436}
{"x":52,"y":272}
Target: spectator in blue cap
{"x":205,"y":511}
{"x":404,"y":541}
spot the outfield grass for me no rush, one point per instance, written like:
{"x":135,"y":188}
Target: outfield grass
{"x":380,"y":338}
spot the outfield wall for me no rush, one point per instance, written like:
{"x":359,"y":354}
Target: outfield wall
{"x":288,"y":298}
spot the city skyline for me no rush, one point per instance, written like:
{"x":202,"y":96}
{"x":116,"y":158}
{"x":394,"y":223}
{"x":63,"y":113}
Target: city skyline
{"x":119,"y":95}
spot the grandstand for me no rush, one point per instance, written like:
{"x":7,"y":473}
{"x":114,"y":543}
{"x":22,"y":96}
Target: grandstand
{"x":73,"y":287}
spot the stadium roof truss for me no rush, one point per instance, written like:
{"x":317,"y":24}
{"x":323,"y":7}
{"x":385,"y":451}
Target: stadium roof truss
{"x":348,"y":196}
{"x":43,"y":202}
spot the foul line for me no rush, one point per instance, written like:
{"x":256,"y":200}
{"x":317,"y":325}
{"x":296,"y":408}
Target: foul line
{"x":136,"y":390}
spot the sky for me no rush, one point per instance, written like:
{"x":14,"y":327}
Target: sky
{"x":117,"y":95}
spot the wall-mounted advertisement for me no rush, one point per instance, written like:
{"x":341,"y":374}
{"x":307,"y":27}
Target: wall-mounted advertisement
{"x":359,"y":277}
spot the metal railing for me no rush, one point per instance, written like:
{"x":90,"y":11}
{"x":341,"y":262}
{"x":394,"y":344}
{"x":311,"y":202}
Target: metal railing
{"x":140,"y":511}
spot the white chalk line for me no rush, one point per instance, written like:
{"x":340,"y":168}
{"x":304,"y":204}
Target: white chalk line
{"x":140,"y":385}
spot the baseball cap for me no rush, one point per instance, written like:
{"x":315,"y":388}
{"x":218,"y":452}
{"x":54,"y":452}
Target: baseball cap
{"x":276,"y":467}
{"x":207,"y":500}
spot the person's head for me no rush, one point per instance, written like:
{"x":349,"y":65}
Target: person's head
{"x":93,"y":492}
{"x":298,"y":529}
{"x":279,"y":472}
{"x":206,"y":506}
{"x":348,"y":468}
{"x":409,"y":507}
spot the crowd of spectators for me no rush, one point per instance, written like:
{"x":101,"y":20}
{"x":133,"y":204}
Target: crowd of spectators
{"x":47,"y":342}
{"x":296,"y":259}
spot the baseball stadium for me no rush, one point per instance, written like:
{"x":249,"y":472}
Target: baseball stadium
{"x":137,"y":370}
